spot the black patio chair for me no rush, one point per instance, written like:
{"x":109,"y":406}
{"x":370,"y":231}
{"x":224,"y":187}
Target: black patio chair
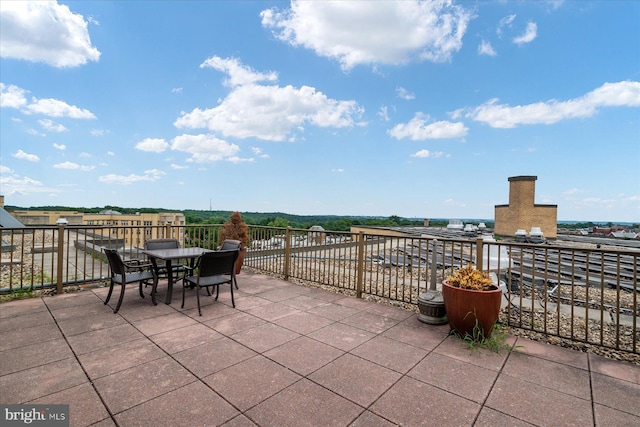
{"x":214,"y":269}
{"x":161,"y":268}
{"x":123,"y":273}
{"x":229,"y":245}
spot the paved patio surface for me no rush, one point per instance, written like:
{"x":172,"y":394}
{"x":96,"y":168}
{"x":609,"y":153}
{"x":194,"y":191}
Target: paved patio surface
{"x":289,"y":355}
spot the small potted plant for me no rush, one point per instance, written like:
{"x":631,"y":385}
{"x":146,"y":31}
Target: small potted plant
{"x":472,"y":302}
{"x":236,"y":229}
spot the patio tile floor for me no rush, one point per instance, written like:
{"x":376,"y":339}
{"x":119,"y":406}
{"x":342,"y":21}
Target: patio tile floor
{"x":288,"y":355}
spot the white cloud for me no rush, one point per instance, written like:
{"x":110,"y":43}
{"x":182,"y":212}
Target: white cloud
{"x":25,"y":156}
{"x":12,"y":185}
{"x":15,"y":97}
{"x":99,"y":132}
{"x":507,"y":21}
{"x":56,"y":108}
{"x":59,"y":146}
{"x":339,"y":170}
{"x":85,"y":154}
{"x":154,"y":145}
{"x":12,"y":96}
{"x":258,"y":152}
{"x":73,"y":166}
{"x":48,"y":32}
{"x":34,"y":132}
{"x":427,"y":153}
{"x":485,"y":48}
{"x":270,"y":112}
{"x":238,"y":74}
{"x":372,"y":32}
{"x":178,"y":167}
{"x":111,"y":153}
{"x":571,"y":191}
{"x":149,"y":175}
{"x":383,"y":113}
{"x":204,"y":148}
{"x":5,"y":169}
{"x":176,"y":90}
{"x":52,"y":127}
{"x":529,"y":34}
{"x":417,"y":129}
{"x":236,"y":159}
{"x":620,"y":94}
{"x":404,"y":94}
{"x":555,"y":4}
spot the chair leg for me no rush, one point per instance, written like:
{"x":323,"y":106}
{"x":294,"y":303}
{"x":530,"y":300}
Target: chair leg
{"x":235,"y":281}
{"x":184,"y":287}
{"x":106,"y":301}
{"x":233,"y":303}
{"x":217,"y":291}
{"x":120,"y":299}
{"x":154,"y":289}
{"x":140,"y":290}
{"x":198,"y":298}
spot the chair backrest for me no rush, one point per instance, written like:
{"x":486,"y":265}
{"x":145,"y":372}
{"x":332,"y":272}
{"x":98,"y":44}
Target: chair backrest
{"x":116,"y":265}
{"x":229,"y":244}
{"x":217,"y":263}
{"x":154,"y":244}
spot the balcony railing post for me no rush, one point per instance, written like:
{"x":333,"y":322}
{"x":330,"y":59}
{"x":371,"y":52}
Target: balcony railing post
{"x":60,"y":265}
{"x":360,"y":272}
{"x":287,"y":253}
{"x":479,"y":252}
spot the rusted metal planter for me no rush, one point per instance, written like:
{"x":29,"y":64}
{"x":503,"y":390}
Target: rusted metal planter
{"x":465,"y":306}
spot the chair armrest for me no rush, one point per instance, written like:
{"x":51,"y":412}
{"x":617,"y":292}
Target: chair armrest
{"x":189,"y":269}
{"x":137,"y":264}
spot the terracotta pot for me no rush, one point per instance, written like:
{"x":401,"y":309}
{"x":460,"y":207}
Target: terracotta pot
{"x":240,"y":260}
{"x":465,"y":306}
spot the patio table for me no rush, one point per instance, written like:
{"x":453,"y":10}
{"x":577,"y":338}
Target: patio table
{"x":168,"y":255}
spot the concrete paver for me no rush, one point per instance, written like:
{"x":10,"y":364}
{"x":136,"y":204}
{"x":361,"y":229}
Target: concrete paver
{"x":290,"y":355}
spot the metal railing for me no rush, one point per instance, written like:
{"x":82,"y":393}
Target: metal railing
{"x":581,"y":294}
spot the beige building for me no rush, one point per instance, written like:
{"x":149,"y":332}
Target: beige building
{"x":129,"y":225}
{"x":522,"y":213}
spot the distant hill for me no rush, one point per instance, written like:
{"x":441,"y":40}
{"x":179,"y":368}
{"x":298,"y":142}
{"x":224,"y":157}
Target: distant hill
{"x":271,"y":219}
{"x":281,"y":219}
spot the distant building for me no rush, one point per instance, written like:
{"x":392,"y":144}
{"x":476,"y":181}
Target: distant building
{"x":624,"y":235}
{"x":455,"y":224}
{"x":522,"y":213}
{"x":150,"y":221}
{"x":316,"y":234}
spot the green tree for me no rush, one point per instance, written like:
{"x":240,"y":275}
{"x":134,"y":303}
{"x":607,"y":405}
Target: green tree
{"x":278,"y":222}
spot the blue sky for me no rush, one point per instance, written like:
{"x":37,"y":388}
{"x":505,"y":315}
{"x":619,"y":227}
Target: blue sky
{"x":416,"y":109}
